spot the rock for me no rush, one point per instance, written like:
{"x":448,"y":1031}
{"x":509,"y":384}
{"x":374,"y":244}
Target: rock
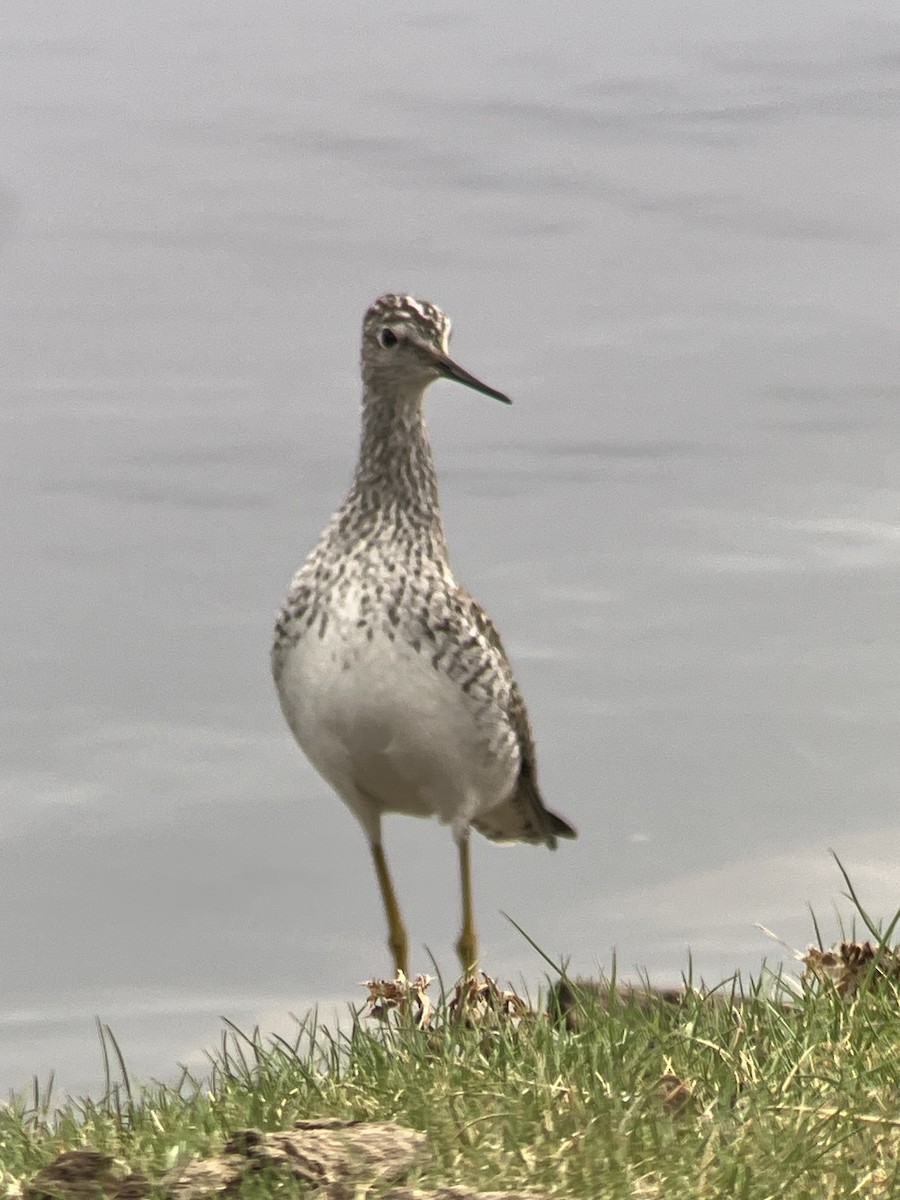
{"x":573,"y":1002}
{"x":454,"y":1193}
{"x":569,"y":1001}
{"x":85,"y":1175}
{"x":331,"y":1154}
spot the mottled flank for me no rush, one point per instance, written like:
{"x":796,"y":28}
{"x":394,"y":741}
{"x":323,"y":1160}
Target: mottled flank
{"x":392,"y":678}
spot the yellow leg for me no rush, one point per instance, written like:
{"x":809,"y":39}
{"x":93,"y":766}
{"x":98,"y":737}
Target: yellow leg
{"x":467,"y":946}
{"x":397,"y":940}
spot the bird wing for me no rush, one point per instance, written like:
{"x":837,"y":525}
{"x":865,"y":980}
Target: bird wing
{"x":523,"y":817}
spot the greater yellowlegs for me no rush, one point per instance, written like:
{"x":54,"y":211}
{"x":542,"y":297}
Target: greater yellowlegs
{"x":393,"y":680}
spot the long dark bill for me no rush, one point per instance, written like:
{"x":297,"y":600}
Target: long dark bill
{"x":451,"y":370}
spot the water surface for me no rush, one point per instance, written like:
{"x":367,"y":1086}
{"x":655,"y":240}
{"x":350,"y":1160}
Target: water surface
{"x":669,"y":231}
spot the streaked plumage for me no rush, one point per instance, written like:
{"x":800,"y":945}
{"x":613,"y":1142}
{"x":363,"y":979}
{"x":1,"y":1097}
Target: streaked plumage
{"x":391,"y":677}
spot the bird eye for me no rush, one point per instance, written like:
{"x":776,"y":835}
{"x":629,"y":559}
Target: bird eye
{"x":388,"y":338}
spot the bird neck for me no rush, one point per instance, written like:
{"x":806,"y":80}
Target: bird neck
{"x":395,"y":477}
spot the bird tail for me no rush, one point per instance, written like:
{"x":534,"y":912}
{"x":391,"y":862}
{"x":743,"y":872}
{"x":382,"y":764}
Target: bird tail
{"x":524,"y":818}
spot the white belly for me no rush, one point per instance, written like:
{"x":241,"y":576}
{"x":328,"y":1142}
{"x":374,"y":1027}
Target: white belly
{"x":390,"y":732}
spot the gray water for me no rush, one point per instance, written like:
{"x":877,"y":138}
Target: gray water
{"x":670,"y":232}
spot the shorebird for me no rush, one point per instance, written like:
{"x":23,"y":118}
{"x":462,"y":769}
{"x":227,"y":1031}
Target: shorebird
{"x":391,"y":677}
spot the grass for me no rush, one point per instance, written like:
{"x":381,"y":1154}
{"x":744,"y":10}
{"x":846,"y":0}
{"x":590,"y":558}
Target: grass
{"x":700,"y":1099}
